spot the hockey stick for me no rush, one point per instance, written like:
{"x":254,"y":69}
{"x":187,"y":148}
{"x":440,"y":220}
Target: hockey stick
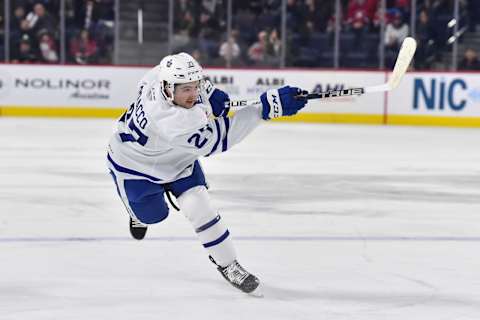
{"x":404,"y":58}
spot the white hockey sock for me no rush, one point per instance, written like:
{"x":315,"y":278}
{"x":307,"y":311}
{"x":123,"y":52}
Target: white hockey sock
{"x":214,"y":236}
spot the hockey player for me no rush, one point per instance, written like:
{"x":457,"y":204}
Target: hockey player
{"x":178,"y":117}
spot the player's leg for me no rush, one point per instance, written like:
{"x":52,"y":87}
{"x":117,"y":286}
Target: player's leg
{"x":144,"y":201}
{"x":194,"y":202}
{"x":208,"y":224}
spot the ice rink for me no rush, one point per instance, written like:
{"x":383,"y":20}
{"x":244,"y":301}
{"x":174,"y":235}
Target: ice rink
{"x":338,"y":221}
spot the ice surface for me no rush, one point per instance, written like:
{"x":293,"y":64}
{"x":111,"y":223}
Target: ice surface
{"x":338,"y":221}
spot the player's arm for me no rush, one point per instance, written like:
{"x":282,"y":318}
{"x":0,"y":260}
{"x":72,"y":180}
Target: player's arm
{"x":221,"y":133}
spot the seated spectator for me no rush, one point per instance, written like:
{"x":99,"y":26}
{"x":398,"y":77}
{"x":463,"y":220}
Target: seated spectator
{"x":424,"y":28}
{"x":25,"y":53}
{"x":257,"y":51}
{"x":396,"y":32}
{"x":18,"y":17}
{"x":389,"y":14}
{"x":360,"y":13}
{"x":358,"y":25}
{"x":274,"y":44}
{"x":24,"y":32}
{"x":470,"y":61}
{"x":48,"y":48}
{"x":425,"y":35}
{"x":230,"y":49}
{"x":359,"y":17}
{"x":83,"y":48}
{"x":39,"y":19}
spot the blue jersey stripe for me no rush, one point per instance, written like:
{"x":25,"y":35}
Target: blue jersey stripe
{"x":225,"y":140}
{"x":215,"y":242}
{"x":208,"y":224}
{"x":127,"y":137}
{"x":130,"y":171}
{"x":215,"y":146}
{"x":116,"y":183}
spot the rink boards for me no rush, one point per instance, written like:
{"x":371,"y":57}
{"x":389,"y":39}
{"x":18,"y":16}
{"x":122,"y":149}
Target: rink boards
{"x":423,"y":98}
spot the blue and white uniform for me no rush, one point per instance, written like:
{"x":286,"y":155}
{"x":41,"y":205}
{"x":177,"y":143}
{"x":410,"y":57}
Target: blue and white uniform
{"x":161,"y":142}
{"x":156,"y":147}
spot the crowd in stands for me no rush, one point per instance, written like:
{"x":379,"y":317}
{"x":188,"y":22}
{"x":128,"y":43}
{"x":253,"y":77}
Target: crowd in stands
{"x":200,"y":27}
{"x":311,"y":25}
{"x":35,"y":33}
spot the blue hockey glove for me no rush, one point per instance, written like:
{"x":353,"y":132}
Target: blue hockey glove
{"x":217,"y":99}
{"x":282,"y":102}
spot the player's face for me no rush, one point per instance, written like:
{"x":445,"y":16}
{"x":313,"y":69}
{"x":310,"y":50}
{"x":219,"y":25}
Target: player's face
{"x":186,"y":94}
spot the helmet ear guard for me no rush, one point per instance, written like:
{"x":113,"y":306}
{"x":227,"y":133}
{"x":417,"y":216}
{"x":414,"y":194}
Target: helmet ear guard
{"x":167,"y":90}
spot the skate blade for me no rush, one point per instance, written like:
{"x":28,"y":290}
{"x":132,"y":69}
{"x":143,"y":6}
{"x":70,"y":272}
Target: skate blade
{"x":257,"y":293}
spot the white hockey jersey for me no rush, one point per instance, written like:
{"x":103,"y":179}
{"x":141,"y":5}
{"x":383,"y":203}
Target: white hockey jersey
{"x":160,"y":142}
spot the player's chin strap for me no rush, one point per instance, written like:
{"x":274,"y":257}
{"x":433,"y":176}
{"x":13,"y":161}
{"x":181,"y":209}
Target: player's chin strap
{"x":404,"y":58}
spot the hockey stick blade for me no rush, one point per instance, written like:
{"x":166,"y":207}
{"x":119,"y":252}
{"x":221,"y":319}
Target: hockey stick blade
{"x":405,"y":56}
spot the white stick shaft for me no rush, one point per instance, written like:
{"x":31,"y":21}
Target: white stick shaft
{"x":238,"y":104}
{"x":404,"y":58}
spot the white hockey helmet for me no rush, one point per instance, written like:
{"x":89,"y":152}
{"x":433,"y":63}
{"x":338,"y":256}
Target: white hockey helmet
{"x":176,"y":69}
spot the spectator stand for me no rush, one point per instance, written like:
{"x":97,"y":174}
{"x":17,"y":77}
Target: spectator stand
{"x":200,"y":28}
{"x":34,"y":32}
{"x":2,"y":31}
{"x":90,"y":31}
{"x":359,"y":32}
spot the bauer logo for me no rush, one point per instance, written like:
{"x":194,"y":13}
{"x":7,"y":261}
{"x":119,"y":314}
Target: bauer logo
{"x":441,"y":94}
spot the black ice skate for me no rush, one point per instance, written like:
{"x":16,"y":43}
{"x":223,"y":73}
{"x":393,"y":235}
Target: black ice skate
{"x":137,"y":229}
{"x":241,"y":278}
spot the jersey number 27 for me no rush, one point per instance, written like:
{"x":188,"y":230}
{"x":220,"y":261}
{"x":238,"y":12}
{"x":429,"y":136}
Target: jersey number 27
{"x":197,"y":139}
{"x":127,"y":116}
